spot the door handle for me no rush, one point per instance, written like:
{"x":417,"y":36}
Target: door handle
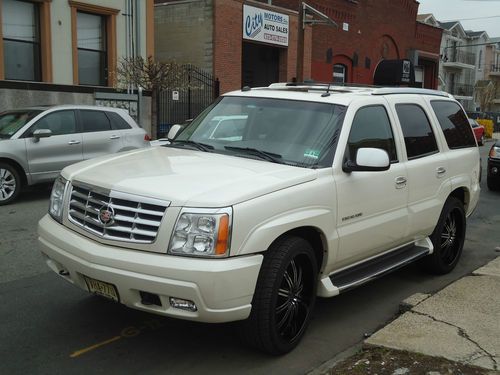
{"x":400,"y":182}
{"x":114,"y":136}
{"x":440,"y":171}
{"x":73,"y":142}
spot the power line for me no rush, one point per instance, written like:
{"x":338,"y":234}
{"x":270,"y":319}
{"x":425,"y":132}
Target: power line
{"x":473,"y":18}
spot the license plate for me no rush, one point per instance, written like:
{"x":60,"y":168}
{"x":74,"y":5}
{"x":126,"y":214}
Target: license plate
{"x":101,"y":288}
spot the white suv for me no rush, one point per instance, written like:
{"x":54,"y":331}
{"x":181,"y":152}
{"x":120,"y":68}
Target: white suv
{"x":322,"y":189}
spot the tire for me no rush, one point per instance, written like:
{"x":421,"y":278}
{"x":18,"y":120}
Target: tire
{"x":284,"y":297}
{"x":492,"y":185}
{"x":448,"y":239}
{"x":10,"y":183}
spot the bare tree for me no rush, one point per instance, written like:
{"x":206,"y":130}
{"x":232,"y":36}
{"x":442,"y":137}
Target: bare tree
{"x":153,"y":76}
{"x":486,"y":94}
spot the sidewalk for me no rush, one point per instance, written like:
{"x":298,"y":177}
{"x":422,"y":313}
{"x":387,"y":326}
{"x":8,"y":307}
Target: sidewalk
{"x":456,"y":330}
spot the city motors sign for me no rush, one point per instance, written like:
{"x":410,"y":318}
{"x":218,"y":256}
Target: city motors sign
{"x":262,"y":25}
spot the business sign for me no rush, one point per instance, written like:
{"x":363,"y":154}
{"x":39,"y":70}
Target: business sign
{"x":261,"y":25}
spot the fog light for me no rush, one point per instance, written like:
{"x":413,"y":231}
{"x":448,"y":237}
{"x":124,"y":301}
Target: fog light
{"x":494,"y":170}
{"x":183,"y":304}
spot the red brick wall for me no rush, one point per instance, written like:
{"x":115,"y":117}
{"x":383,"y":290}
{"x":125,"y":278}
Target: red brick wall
{"x":228,"y":39}
{"x":228,"y":36}
{"x":377,"y":29}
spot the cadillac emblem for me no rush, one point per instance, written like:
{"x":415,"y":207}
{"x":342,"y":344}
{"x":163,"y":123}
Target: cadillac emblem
{"x":107,"y":215}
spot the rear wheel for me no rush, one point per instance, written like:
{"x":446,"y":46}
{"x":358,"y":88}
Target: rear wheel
{"x":448,"y":238}
{"x":284,"y":297}
{"x":10,"y":183}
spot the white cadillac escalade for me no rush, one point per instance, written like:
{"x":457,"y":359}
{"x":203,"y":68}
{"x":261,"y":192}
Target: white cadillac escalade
{"x":269,"y":198}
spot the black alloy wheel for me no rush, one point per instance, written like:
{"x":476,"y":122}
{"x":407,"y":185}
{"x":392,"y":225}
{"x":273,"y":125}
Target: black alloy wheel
{"x":293,"y":302}
{"x":448,"y":238}
{"x":284,"y":297}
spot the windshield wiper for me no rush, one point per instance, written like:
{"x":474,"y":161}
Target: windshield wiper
{"x":200,"y":146}
{"x":269,"y":156}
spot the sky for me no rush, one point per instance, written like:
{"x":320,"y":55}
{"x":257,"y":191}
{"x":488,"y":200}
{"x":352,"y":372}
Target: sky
{"x":463,"y":11}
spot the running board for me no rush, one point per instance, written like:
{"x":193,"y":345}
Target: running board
{"x":359,"y":274}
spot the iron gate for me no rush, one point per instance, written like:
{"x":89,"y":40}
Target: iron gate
{"x":198,"y":89}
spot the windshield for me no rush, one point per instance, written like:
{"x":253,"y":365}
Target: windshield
{"x":11,"y":122}
{"x":283,"y":131}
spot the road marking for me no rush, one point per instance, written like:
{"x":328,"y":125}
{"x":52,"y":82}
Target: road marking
{"x":88,"y":349}
{"x":127,"y":332}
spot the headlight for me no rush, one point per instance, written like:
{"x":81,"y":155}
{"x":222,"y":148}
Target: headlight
{"x":57,"y":198}
{"x":202,"y":232}
{"x":495,"y":152}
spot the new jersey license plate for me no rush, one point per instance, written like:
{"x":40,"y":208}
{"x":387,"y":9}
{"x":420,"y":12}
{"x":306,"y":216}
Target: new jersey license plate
{"x":102,"y":288}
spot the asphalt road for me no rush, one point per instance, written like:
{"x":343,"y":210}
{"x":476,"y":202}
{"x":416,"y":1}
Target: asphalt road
{"x":50,"y":327}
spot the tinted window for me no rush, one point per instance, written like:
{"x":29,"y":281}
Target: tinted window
{"x":419,"y":137}
{"x":455,"y":125}
{"x":371,"y":128}
{"x":94,"y":121}
{"x":117,"y":121}
{"x":61,"y":122}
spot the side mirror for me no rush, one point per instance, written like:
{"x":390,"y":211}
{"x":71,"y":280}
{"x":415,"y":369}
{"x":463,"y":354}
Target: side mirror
{"x":174,"y":130}
{"x":368,"y":160}
{"x":41,"y":133}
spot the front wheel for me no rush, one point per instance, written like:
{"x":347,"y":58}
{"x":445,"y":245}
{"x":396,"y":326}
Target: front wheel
{"x":448,"y":238}
{"x":284,"y":297}
{"x":10,"y":183}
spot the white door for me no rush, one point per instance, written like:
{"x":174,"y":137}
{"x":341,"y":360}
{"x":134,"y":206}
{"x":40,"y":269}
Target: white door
{"x":427,"y":164}
{"x":372,"y":206}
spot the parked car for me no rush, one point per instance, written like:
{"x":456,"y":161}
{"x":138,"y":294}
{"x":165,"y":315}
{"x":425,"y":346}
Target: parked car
{"x":314,"y":191}
{"x":37,"y":143}
{"x":478,"y":131}
{"x":493,"y":176}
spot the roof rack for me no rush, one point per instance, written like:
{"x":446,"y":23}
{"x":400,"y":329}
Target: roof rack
{"x":355,"y":87}
{"x":409,"y":90}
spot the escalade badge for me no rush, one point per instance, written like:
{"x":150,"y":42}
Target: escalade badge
{"x":107,"y":215}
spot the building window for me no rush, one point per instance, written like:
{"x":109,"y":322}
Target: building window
{"x":21,"y":40}
{"x":339,"y":73}
{"x":480,"y":62}
{"x":94,"y":44}
{"x":91,"y":42}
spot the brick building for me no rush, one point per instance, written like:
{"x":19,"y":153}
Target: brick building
{"x":211,"y":35}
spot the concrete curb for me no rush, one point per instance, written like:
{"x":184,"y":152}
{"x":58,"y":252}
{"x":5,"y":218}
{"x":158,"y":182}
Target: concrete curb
{"x":459,"y":323}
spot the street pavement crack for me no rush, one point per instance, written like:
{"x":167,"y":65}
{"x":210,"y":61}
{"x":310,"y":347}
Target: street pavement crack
{"x":463,"y":333}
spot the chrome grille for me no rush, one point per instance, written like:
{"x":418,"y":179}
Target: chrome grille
{"x":135,"y":219}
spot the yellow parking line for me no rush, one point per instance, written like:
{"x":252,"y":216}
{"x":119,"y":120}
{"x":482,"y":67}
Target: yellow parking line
{"x":83,"y":351}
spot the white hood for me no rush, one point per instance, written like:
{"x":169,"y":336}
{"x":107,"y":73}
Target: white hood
{"x":188,"y":178}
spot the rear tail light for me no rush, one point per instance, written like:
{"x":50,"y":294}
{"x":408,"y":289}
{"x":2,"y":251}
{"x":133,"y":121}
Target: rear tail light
{"x":147,"y":138}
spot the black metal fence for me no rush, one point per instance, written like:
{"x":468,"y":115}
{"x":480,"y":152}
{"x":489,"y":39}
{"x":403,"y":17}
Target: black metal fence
{"x":198,"y":89}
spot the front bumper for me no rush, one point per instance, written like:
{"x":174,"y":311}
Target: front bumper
{"x":222,"y":289}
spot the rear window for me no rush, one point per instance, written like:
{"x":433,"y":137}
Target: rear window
{"x":455,"y":125}
{"x":417,"y":131}
{"x":94,"y":121}
{"x":117,"y":121}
